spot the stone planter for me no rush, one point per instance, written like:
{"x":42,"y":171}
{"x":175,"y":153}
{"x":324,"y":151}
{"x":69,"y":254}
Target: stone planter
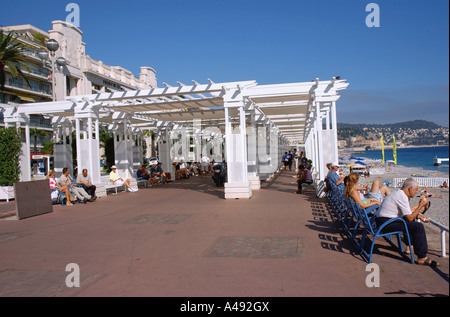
{"x":6,"y":192}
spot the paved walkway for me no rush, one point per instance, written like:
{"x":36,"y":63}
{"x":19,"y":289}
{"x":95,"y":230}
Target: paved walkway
{"x":184,"y":239}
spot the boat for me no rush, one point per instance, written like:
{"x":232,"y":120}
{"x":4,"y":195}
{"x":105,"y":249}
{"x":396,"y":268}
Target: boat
{"x":438,"y":161}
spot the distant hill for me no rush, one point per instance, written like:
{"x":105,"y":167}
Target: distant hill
{"x":416,"y":124}
{"x":409,"y":133}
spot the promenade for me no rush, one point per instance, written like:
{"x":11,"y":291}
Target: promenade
{"x":185,"y":240}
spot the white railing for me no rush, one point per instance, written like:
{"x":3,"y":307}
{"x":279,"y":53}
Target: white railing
{"x":422,"y":181}
{"x":444,"y":229}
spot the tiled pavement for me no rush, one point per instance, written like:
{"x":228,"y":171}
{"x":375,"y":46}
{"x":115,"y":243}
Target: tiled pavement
{"x":184,"y":239}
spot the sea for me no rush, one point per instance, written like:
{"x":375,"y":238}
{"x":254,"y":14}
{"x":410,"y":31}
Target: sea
{"x":420,"y":157}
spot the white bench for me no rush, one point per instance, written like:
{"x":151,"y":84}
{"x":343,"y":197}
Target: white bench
{"x":112,"y":186}
{"x":108,"y":185}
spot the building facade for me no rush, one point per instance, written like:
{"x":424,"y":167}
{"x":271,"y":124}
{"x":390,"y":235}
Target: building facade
{"x":82,"y":74}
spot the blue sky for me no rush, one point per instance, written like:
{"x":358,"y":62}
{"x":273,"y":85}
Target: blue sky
{"x":397,"y":72}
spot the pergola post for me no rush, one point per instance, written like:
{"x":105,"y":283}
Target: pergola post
{"x":164,"y":151}
{"x":263,"y":158}
{"x":334,"y":129}
{"x":237,"y":185}
{"x":123,"y":146}
{"x":319,"y":163}
{"x":252,"y":166}
{"x":88,"y":147}
{"x":62,"y":150}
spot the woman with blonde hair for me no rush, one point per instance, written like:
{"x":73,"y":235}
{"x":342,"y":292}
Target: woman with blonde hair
{"x":374,"y":197}
{"x":54,"y":186}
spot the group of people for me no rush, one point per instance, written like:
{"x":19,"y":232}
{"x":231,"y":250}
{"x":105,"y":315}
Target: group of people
{"x":153,"y":175}
{"x":79,"y":190}
{"x":390,"y":205}
{"x":293,"y":158}
{"x":184,"y":170}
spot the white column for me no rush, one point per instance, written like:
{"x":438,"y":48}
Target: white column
{"x":320,"y":163}
{"x":237,"y":185}
{"x":335,"y":130}
{"x":252,"y":166}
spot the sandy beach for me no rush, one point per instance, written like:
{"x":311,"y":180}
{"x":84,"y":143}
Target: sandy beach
{"x":439,"y":210}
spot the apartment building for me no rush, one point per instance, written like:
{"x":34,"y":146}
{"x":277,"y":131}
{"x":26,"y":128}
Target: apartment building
{"x":81,"y":75}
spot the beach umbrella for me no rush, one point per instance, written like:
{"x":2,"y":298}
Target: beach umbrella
{"x":351,"y":164}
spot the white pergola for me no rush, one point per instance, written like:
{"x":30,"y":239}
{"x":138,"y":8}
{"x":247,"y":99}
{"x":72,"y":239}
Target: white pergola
{"x":257,"y":123}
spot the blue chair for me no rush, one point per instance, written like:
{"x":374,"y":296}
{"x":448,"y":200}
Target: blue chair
{"x":366,"y":218}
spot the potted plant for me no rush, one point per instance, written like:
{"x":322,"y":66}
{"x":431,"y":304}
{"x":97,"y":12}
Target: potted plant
{"x":10,"y":148}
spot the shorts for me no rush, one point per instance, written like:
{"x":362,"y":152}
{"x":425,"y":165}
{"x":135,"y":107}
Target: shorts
{"x":118,"y":182}
{"x":377,"y":195}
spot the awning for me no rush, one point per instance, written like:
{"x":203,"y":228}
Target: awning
{"x":26,"y":98}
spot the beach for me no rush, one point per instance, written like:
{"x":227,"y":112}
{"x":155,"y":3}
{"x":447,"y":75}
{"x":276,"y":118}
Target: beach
{"x":439,"y":208}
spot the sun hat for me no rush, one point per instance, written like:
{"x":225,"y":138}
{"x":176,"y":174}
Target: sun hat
{"x":113,"y":167}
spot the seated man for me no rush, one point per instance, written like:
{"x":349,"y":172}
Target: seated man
{"x":160,"y":173}
{"x":115,"y":178}
{"x":84,"y":180}
{"x":154,"y":174}
{"x":66,"y":179}
{"x":183,"y":170}
{"x":304,"y":177}
{"x":143,"y":174}
{"x":397,"y":205}
{"x":333,"y":176}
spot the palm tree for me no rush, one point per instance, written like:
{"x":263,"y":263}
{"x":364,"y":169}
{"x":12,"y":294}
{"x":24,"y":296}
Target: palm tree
{"x":11,"y":55}
{"x":36,"y":132}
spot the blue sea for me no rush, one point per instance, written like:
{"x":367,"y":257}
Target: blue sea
{"x":413,"y":157}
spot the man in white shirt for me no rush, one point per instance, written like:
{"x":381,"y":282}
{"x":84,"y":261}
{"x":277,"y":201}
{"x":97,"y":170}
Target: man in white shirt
{"x":204,"y":160}
{"x":397,"y":205}
{"x":80,"y":193}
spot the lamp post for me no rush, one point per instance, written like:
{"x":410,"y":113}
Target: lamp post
{"x":52,"y":46}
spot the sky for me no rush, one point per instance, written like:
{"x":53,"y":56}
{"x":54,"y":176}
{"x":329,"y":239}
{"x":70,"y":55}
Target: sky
{"x":398,"y":71}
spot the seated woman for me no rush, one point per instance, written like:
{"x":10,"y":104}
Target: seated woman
{"x":54,"y":186}
{"x":374,"y":197}
{"x":304,"y":177}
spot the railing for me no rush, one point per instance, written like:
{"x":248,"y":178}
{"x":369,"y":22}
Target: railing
{"x":422,"y":181}
{"x":444,"y":229}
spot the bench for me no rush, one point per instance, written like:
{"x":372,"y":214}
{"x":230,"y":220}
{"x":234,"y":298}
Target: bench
{"x":309,"y":186}
{"x":109,"y":185}
{"x":115,"y":187}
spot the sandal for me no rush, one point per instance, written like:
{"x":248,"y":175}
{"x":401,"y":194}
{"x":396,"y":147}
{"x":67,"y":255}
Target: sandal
{"x":429,"y":263}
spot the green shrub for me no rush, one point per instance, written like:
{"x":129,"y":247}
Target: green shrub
{"x":10,"y":147}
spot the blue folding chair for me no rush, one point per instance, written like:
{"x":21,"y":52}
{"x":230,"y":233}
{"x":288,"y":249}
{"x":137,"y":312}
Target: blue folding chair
{"x":366,"y":218}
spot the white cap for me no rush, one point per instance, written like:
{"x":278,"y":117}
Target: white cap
{"x":334,"y":164}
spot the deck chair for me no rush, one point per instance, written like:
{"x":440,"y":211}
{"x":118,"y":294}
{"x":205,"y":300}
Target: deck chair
{"x":366,"y":218}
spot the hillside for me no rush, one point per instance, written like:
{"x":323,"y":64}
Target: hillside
{"x":409,"y":133}
{"x":414,"y":125}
